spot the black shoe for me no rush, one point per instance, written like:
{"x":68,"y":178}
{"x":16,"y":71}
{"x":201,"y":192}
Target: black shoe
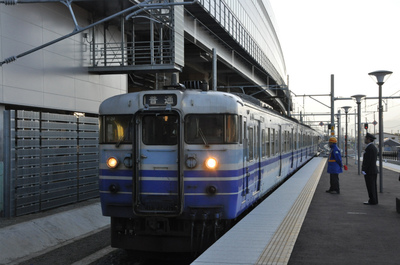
{"x":368,"y":203}
{"x":334,"y":192}
{"x":328,"y":191}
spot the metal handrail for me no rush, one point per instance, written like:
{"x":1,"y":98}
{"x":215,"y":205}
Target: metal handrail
{"x":133,"y":53}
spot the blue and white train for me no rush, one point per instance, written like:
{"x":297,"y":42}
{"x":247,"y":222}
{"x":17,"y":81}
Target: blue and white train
{"x":178,"y":166}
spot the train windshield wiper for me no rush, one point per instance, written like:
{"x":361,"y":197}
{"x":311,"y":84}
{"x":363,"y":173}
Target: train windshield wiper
{"x":203,"y":137}
{"x":120,"y":141}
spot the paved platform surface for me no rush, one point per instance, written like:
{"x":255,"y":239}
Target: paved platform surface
{"x":340,"y":229}
{"x":22,"y":238}
{"x":268,"y":233}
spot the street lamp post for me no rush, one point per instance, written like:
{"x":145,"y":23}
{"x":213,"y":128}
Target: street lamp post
{"x":346,"y":110}
{"x":381,"y":77}
{"x":358,"y":99}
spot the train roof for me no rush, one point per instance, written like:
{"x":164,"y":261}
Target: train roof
{"x":113,"y":105}
{"x":253,"y":101}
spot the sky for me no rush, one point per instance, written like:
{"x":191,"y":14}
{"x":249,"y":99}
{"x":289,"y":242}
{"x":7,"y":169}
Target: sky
{"x":347,"y":39}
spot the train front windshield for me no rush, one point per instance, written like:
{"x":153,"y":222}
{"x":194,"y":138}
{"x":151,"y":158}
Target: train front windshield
{"x":116,"y":129}
{"x":160,"y":129}
{"x":156,"y":129}
{"x":211,"y":129}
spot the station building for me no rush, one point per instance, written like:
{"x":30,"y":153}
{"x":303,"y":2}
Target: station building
{"x":61,"y":59}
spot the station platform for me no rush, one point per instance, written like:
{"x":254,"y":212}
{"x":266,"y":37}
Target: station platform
{"x":302,"y":224}
{"x":340,"y":229}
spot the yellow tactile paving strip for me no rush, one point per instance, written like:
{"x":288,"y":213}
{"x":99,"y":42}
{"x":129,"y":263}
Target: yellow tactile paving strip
{"x":279,"y":249}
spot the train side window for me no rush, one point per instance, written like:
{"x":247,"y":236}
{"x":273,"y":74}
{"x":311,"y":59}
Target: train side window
{"x":240,"y":129}
{"x":267,"y":142}
{"x":232,"y":128}
{"x":294,"y":140}
{"x":257,"y":142}
{"x":263,"y":143}
{"x":246,"y":147}
{"x":283,"y":144}
{"x":251,"y":143}
{"x":273,"y":139}
{"x":287,"y":141}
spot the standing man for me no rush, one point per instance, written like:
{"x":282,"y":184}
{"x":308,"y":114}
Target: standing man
{"x":370,"y":170}
{"x":334,"y":166}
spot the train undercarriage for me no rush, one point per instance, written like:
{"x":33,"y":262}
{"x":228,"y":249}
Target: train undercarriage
{"x":193,"y":233}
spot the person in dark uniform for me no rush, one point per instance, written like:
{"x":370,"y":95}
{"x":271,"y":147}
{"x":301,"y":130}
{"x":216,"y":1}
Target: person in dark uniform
{"x":334,"y":166}
{"x":370,"y":170}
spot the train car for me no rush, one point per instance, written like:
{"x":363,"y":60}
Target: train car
{"x":179,"y":166}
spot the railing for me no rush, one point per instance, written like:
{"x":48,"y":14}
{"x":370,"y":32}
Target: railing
{"x":391,"y":155}
{"x":137,"y":53}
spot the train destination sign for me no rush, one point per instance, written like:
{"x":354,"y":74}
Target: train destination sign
{"x":160,"y":99}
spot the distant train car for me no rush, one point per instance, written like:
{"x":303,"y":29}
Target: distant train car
{"x":178,"y":166}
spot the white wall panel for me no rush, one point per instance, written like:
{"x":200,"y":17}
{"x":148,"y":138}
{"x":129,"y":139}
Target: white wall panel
{"x":59,"y":85}
{"x":20,"y":30}
{"x":12,"y":47}
{"x":31,"y":13}
{"x":19,"y":76}
{"x":86,"y":105}
{"x":65,"y":47}
{"x":87,"y":90}
{"x":14,"y":95}
{"x":54,"y":101}
{"x":58,"y":20}
{"x":58,"y":64}
{"x":107,"y":92}
{"x":110,"y":80}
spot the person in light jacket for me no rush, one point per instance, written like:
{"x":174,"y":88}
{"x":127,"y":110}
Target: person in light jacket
{"x":370,"y":170}
{"x":335,"y":166}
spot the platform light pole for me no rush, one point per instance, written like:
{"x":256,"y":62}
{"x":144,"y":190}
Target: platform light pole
{"x":380,"y":79}
{"x":346,"y":110}
{"x":358,"y":100}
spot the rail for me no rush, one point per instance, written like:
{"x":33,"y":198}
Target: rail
{"x":137,"y":53}
{"x":391,"y":155}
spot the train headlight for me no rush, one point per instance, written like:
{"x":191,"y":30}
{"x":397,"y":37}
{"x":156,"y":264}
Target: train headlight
{"x":211,"y":163}
{"x":112,"y":162}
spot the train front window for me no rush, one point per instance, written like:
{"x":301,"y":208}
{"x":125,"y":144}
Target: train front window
{"x":211,"y":129}
{"x":116,"y":129}
{"x":160,"y":130}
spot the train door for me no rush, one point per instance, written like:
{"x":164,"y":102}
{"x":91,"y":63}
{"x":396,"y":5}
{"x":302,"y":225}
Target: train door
{"x":246,"y":173}
{"x":280,"y":141}
{"x":157,"y":179}
{"x":258,"y":154}
{"x":250,"y":159}
{"x":301,"y":145}
{"x":291,"y":144}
